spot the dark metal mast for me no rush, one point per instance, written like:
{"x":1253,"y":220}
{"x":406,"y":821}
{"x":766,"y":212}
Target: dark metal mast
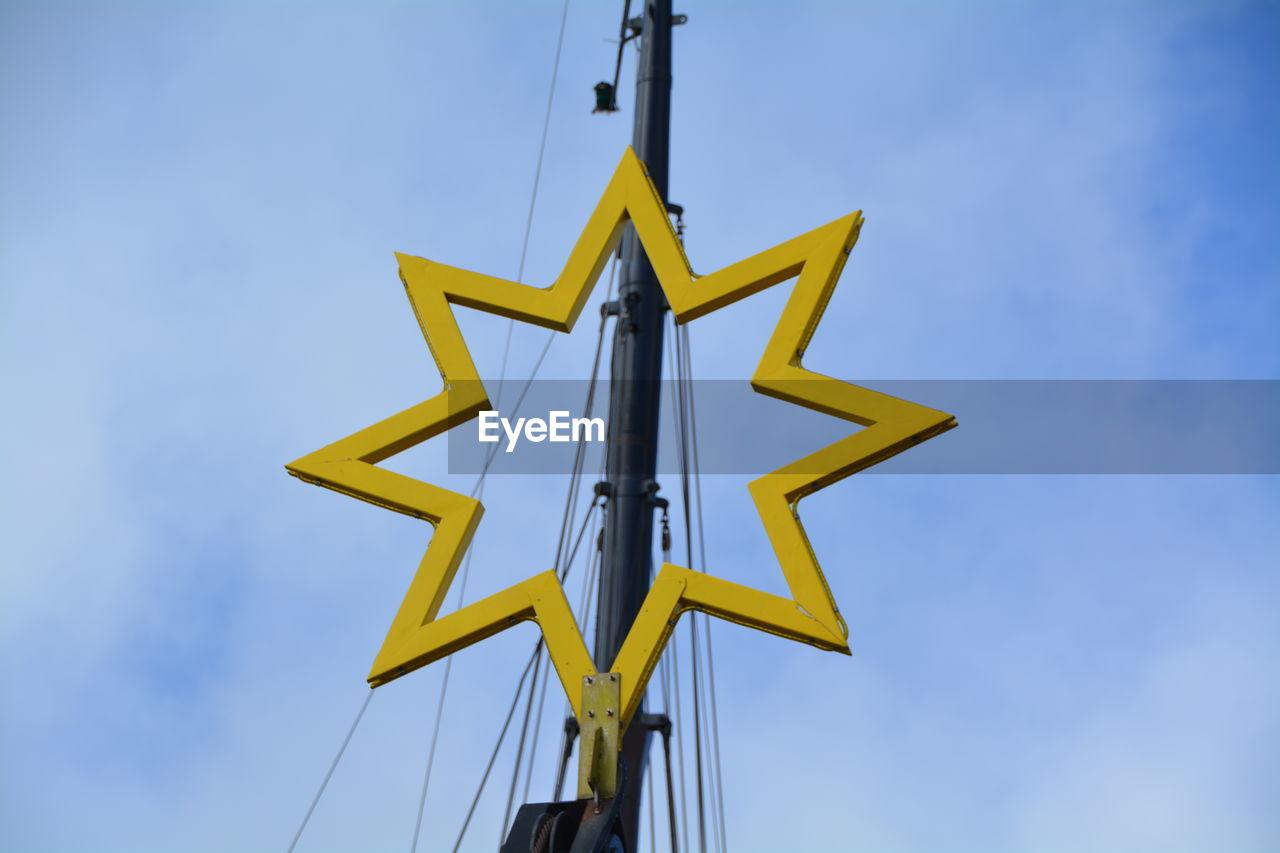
{"x":634,"y":401}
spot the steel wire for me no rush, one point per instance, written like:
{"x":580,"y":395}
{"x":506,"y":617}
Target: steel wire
{"x":332,"y":767}
{"x":502,"y":373}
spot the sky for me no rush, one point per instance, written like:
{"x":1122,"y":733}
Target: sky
{"x":200,"y":208}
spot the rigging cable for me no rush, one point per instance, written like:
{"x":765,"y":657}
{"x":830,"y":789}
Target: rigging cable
{"x":533,"y":752}
{"x":497,"y":746}
{"x":563,"y":543}
{"x":593,"y":568}
{"x":537,"y":178}
{"x":671,"y":699}
{"x":575,"y":485}
{"x":524,"y":734}
{"x":704,"y":689}
{"x":477,"y":491}
{"x":506,"y":351}
{"x":677,"y":414}
{"x":593,"y":571}
{"x":653,"y":831}
{"x":585,"y":602}
{"x":515,"y":701}
{"x":334,"y":766}
{"x":515,"y":775}
{"x":669,"y":672}
{"x":680,"y":388}
{"x":671,"y":801}
{"x":702,"y":548}
{"x":563,"y":573}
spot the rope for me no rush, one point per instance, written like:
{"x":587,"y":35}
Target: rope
{"x":533,"y":687}
{"x":674,"y":360}
{"x":682,"y":410}
{"x":707,"y":762}
{"x":588,"y":407}
{"x":478,"y":489}
{"x":575,"y":482}
{"x":715,"y":742}
{"x":671,"y":801}
{"x":588,"y":582}
{"x":676,"y":716}
{"x":670,"y":679}
{"x":533,"y":746}
{"x":431,"y":754}
{"x":332,"y":767}
{"x":524,"y":734}
{"x":515,"y":701}
{"x":697,"y":734}
{"x":564,"y":571}
{"x":497,"y":746}
{"x":537,"y":176}
{"x":653,"y":831}
{"x":702,"y":548}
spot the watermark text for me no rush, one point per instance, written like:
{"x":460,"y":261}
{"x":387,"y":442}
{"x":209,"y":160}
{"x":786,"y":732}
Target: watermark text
{"x":557,"y":426}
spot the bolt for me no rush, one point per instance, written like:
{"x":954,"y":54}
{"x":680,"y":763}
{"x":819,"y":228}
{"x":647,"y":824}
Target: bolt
{"x":588,"y":679}
{"x":591,"y":713}
{"x":609,"y":711}
{"x":613,"y":677}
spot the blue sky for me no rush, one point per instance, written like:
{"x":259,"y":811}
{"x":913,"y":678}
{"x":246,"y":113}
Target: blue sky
{"x":200,"y":206}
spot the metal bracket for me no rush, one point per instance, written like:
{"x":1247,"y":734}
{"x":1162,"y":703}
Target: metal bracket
{"x":601,"y":737}
{"x":626,"y":319}
{"x":636,"y":24}
{"x":660,"y":723}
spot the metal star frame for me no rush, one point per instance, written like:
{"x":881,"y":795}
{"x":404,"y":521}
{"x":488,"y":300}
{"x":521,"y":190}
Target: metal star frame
{"x":419,"y":636}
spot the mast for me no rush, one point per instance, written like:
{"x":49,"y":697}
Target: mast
{"x":634,"y":400}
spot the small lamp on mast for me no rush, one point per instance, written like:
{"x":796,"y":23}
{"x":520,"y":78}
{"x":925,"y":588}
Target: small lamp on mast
{"x":606,"y":102}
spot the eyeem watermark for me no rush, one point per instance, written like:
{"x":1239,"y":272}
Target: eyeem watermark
{"x":1058,"y":426}
{"x":557,"y":426}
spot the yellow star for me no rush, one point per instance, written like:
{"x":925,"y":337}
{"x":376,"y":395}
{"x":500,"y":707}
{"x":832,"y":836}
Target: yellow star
{"x":419,"y":636}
